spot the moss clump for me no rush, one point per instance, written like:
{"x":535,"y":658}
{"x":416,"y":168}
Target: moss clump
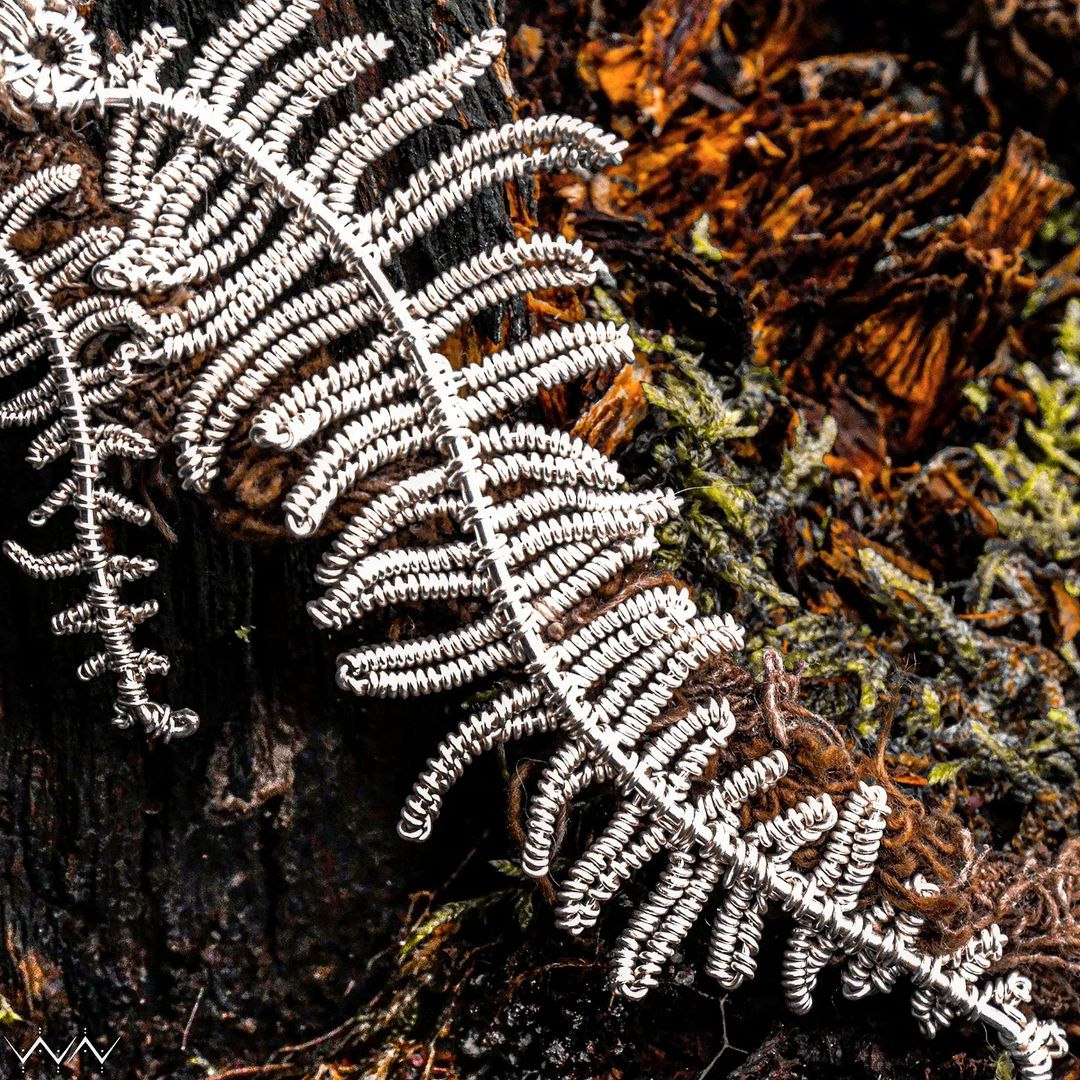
{"x":1036,"y":479}
{"x":880,"y":613}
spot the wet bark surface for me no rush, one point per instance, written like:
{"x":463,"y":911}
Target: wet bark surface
{"x":254,"y":867}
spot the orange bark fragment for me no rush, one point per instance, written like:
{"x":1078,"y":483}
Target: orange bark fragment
{"x":656,"y":72}
{"x":609,"y":423}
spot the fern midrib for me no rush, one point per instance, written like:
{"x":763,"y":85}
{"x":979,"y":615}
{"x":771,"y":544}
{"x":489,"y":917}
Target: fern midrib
{"x":457,"y":442}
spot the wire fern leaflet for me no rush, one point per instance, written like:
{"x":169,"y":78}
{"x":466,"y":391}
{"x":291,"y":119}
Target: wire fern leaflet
{"x":540,"y":522}
{"x":66,"y":398}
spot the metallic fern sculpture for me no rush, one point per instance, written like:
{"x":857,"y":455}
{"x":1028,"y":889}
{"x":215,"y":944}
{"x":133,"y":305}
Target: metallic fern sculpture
{"x":43,"y":340}
{"x":280,"y":263}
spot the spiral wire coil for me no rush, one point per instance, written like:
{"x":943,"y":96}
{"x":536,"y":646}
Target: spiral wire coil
{"x":67,"y":397}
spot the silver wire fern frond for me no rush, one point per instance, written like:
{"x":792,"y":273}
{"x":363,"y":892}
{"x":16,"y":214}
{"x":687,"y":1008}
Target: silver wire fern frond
{"x":66,"y":401}
{"x":533,"y":523}
{"x":368,"y":409}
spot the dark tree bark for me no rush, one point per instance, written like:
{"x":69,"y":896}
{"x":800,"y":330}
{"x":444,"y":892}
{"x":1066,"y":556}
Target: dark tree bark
{"x":253,"y":868}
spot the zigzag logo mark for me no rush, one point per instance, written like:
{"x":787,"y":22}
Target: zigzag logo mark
{"x":68,"y":1053}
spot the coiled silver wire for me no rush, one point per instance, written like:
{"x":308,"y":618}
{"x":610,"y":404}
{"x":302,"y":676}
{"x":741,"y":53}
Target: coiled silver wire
{"x":66,"y":396}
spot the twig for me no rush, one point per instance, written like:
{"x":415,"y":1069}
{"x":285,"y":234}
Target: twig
{"x":725,"y":1046}
{"x":191,"y":1018}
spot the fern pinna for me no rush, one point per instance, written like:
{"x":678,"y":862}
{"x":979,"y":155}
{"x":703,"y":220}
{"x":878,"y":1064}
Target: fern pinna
{"x":535,"y":523}
{"x":45,"y":342}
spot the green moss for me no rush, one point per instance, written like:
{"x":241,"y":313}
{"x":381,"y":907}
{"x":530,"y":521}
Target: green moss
{"x":978,"y":394}
{"x":726,"y":517}
{"x":1040,"y":507}
{"x":960,"y":663}
{"x":918,"y":607}
{"x":700,"y":242}
{"x":944,"y":772}
{"x":812,"y":640}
